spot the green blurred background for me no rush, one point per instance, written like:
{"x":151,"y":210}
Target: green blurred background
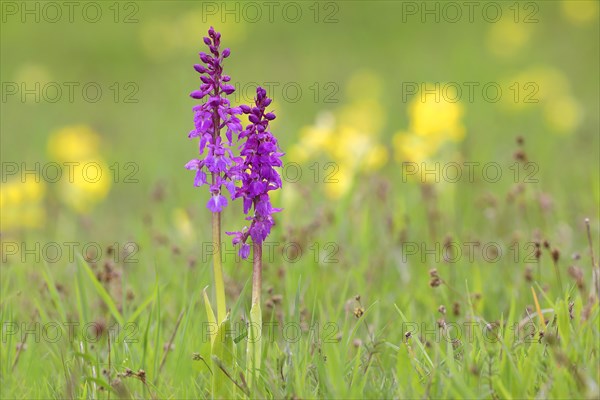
{"x":553,"y":44}
{"x":348,"y":133}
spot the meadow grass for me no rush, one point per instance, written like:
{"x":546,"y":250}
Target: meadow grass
{"x":363,"y":294}
{"x":369,"y":325}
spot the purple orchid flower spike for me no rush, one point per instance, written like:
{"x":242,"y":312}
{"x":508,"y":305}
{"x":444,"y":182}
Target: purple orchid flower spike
{"x":260,"y":155}
{"x":210,"y":117}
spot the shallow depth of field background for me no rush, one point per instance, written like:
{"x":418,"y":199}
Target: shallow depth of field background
{"x":357,"y":219}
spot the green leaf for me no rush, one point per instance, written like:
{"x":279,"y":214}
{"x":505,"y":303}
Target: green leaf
{"x":102,"y":292}
{"x":254,"y":348}
{"x":210,"y":315}
{"x":222,"y":350}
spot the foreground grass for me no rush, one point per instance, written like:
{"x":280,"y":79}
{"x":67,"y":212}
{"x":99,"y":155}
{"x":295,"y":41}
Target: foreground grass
{"x":365,"y":317}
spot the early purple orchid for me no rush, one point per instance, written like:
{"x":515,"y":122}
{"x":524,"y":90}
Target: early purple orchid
{"x":260,"y":155}
{"x":209,"y":118}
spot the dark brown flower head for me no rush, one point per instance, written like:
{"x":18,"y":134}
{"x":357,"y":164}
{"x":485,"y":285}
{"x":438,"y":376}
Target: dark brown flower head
{"x":359,"y":312}
{"x":435,"y":282}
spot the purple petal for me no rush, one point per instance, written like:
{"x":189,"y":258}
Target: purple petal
{"x":197,"y":94}
{"x":228,"y":88}
{"x":200,"y":178}
{"x":244,"y":250}
{"x":216,"y":203}
{"x":193,"y":164}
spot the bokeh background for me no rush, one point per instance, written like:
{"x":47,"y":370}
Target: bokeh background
{"x":340,"y":74}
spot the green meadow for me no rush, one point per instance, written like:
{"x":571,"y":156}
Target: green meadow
{"x":440,"y":229}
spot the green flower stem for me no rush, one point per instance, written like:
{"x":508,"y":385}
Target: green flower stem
{"x":256,"y":272}
{"x":254,"y":349}
{"x":217,"y":268}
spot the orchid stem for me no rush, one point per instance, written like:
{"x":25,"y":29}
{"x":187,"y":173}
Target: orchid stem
{"x":217,"y":267}
{"x":256,"y":272}
{"x":254,"y":349}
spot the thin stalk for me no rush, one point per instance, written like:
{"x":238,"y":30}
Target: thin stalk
{"x":254,"y":349}
{"x":595,"y":269}
{"x":256,"y":272}
{"x":216,"y":228}
{"x":217,"y":268}
{"x":558,"y":277}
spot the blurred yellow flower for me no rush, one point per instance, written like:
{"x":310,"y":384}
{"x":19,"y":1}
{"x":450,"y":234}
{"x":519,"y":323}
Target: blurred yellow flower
{"x":367,"y":115}
{"x":433,"y":122}
{"x":21,"y":204}
{"x":32,"y":74}
{"x":505,"y":37}
{"x":549,"y":89}
{"x":411,"y":147}
{"x":349,"y":136}
{"x":375,"y":158}
{"x":73,"y":143}
{"x":429,"y":117}
{"x":580,"y":12}
{"x":89,"y":184}
{"x":340,"y":183}
{"x":184,"y":226}
{"x":563,"y":114}
{"x":86,"y":178}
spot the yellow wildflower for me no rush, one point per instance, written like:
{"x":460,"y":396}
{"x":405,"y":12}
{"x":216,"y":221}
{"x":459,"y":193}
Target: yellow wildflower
{"x":73,"y":143}
{"x":86,"y":179}
{"x":21,"y":204}
{"x":580,"y":12}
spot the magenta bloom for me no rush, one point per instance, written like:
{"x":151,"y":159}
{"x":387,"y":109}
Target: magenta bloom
{"x":210,"y":117}
{"x":260,"y":155}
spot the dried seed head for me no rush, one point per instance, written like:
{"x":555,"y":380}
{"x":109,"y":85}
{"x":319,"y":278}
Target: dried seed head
{"x":442,"y":310}
{"x":408,"y":334}
{"x":435,"y":282}
{"x":555,"y":255}
{"x":433,"y":273}
{"x":520,"y":140}
{"x":276,"y":298}
{"x":520,"y":155}
{"x":142,"y":375}
{"x":456,"y":308}
{"x":358,"y":312}
{"x":546,"y":244}
{"x":571,"y":305}
{"x":528,"y":274}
